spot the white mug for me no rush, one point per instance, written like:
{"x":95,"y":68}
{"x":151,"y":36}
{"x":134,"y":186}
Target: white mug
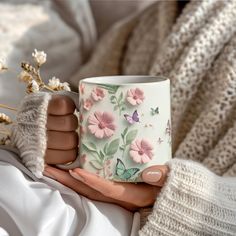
{"x":125,"y":125}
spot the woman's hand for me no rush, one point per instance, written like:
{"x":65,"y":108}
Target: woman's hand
{"x":128,"y":195}
{"x":61,"y":126}
{"x":62,"y":148}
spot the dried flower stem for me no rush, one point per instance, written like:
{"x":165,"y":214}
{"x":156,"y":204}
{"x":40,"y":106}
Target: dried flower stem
{"x":7,"y":107}
{"x":47,"y":87}
{"x":5,"y":132}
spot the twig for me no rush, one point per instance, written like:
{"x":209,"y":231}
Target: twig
{"x":7,"y":107}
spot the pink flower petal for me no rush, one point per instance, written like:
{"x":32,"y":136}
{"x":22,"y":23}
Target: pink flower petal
{"x":145,"y":159}
{"x":93,"y":128}
{"x":111,"y":126}
{"x":107,"y":118}
{"x":108,"y":132}
{"x":92,"y":120}
{"x":135,"y":156}
{"x":131,"y":101}
{"x":98,"y":116}
{"x":99,"y":133}
{"x":146,"y":145}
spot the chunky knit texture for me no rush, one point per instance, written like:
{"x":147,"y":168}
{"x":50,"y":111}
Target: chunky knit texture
{"x":29,"y":131}
{"x":197,"y":51}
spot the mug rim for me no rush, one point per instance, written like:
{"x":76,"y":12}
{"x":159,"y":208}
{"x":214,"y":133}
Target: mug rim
{"x":125,"y":79}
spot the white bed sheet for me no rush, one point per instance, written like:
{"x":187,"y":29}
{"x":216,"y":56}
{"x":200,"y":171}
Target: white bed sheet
{"x":46,"y":207}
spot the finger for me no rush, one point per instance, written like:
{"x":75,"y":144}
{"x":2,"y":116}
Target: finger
{"x":83,"y":189}
{"x":126,"y":192}
{"x":62,"y":140}
{"x":61,"y":105}
{"x":79,"y":187}
{"x":60,"y":156}
{"x":155,"y":175}
{"x":62,"y":123}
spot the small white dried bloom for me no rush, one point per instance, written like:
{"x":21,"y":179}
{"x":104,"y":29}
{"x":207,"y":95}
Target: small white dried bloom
{"x":33,"y":87}
{"x":5,"y":119}
{"x":54,"y":83}
{"x":2,"y":64}
{"x":25,"y":76}
{"x":39,"y":56}
{"x":65,"y":86}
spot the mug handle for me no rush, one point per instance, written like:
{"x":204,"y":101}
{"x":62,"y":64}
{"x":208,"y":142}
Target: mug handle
{"x":75,"y":97}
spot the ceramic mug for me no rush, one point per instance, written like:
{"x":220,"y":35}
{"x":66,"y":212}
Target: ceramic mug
{"x":124,"y":125}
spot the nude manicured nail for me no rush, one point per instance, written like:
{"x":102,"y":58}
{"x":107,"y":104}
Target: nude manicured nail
{"x":76,"y":176}
{"x":152,"y":176}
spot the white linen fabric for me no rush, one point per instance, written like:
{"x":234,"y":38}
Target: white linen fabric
{"x":29,"y":206}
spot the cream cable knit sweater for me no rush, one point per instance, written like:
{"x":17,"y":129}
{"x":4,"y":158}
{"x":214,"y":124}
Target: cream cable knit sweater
{"x":198,"y":53}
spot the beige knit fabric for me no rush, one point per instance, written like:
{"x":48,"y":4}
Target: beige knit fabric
{"x":29,"y":131}
{"x":197,"y":51}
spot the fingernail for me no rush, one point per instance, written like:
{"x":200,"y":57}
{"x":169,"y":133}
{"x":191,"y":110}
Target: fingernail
{"x":152,"y":176}
{"x":76,"y":176}
{"x":46,"y":173}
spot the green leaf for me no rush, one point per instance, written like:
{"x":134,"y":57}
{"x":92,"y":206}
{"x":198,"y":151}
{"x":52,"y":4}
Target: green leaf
{"x":116,"y":108}
{"x":105,"y":148}
{"x":113,"y":147}
{"x":96,"y":164}
{"x":113,"y":98}
{"x":123,"y":108}
{"x":122,"y":148}
{"x":89,"y":147}
{"x":101,"y":155}
{"x":112,"y":89}
{"x":125,"y":131}
{"x":131,"y":136}
{"x":120,"y":97}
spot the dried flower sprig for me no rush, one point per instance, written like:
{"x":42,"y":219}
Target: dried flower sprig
{"x":3,"y":64}
{"x":5,"y":119}
{"x":31,"y":76}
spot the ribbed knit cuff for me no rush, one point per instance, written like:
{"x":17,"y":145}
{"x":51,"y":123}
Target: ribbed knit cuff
{"x":29,"y":131}
{"x":194,"y":201}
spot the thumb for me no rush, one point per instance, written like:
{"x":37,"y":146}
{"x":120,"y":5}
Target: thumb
{"x":155,"y":175}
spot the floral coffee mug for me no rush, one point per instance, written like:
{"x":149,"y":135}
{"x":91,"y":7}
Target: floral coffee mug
{"x":124,"y":125}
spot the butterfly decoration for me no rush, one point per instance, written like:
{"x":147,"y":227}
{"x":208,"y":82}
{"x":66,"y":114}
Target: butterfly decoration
{"x":168,"y":128}
{"x":123,"y":173}
{"x":160,"y":141}
{"x":155,"y":111}
{"x":132,"y":119}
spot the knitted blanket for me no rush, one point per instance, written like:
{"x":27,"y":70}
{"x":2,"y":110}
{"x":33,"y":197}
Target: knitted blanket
{"x":196,"y":49}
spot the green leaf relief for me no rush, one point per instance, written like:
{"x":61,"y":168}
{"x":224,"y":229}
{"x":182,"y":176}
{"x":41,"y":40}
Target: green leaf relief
{"x":89,"y":147}
{"x":96,"y":164}
{"x":131,"y":136}
{"x":105,"y":148}
{"x":113,"y":147}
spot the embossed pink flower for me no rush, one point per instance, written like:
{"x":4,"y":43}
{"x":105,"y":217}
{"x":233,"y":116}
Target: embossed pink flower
{"x":87,"y":104}
{"x":135,"y":96}
{"x":101,"y":124}
{"x":81,"y":88}
{"x":141,"y":151}
{"x":98,"y":94}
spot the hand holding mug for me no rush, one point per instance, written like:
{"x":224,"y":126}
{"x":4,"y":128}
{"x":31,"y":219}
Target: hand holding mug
{"x":62,"y":123}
